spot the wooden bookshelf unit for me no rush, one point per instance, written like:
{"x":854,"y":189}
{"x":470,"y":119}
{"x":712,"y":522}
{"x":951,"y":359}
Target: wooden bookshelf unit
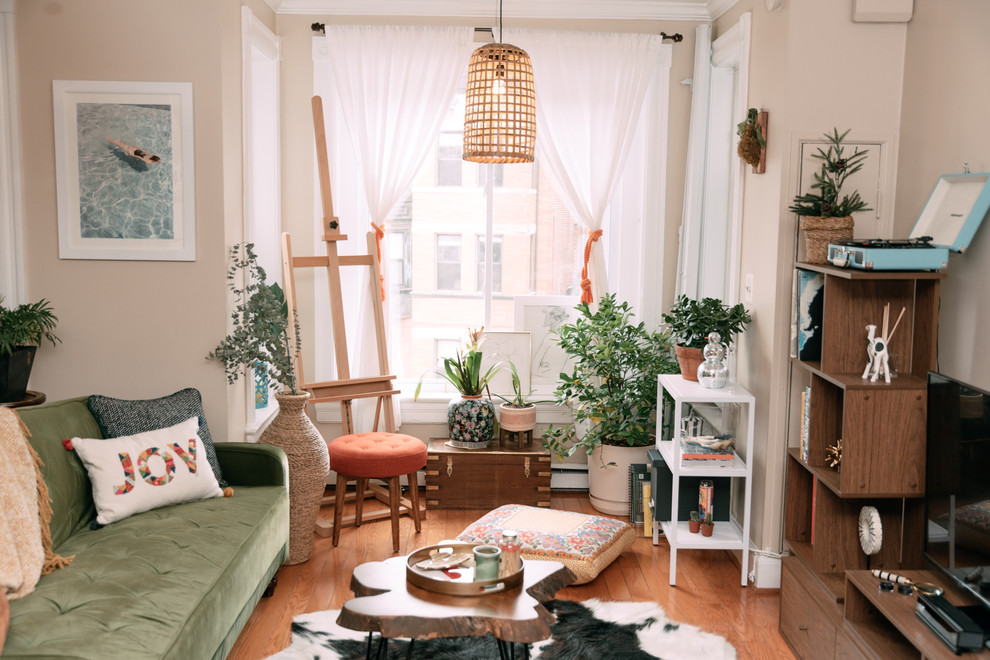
{"x":883,"y":432}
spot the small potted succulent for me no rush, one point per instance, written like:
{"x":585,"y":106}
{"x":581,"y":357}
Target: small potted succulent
{"x":708,"y":526}
{"x":689,"y":322}
{"x":22,"y":330}
{"x":826,"y":211}
{"x":694,"y":524}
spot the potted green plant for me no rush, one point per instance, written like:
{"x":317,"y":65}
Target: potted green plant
{"x":470,"y":416}
{"x":826,"y":210}
{"x":689,"y":322}
{"x":518,"y":413}
{"x":22,"y":330}
{"x":694,"y":524}
{"x":708,"y":525}
{"x":612,"y":392}
{"x":260,"y":340}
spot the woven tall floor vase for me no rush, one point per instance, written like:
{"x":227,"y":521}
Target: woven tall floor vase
{"x":309,"y":464}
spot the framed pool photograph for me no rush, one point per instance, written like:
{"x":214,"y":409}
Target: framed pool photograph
{"x":124,"y":170}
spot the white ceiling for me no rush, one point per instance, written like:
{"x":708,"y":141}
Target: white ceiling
{"x":663,"y":10}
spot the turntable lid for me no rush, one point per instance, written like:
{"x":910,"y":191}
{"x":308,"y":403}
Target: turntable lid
{"x":955,"y":209}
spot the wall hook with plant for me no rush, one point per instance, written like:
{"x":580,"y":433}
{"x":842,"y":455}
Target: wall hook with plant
{"x":752,"y":133}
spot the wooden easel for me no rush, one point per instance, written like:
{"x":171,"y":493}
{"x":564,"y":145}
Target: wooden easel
{"x":345,"y":389}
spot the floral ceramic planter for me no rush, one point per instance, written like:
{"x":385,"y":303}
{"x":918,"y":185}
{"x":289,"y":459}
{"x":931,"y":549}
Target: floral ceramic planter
{"x":471,"y":420}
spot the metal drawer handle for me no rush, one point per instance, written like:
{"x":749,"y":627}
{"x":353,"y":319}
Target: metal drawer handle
{"x":802,"y":627}
{"x":526,"y":466}
{"x":450,"y":465}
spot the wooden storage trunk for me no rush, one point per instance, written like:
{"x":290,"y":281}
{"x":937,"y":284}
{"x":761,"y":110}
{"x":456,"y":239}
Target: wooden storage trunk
{"x":486,"y":478}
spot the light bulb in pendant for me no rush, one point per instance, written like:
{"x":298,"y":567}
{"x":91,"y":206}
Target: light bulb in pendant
{"x":498,"y":87}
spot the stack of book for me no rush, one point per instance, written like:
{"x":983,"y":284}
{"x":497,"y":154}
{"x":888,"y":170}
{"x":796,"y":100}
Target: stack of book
{"x":708,"y":450}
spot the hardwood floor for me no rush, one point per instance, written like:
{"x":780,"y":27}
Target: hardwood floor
{"x":707,"y":594}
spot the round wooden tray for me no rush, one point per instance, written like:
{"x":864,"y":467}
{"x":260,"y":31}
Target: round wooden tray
{"x":464,"y":585}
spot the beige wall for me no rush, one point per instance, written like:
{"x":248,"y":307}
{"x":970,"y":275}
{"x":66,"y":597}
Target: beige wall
{"x":130,"y":329}
{"x":811,"y":68}
{"x":946,"y":100}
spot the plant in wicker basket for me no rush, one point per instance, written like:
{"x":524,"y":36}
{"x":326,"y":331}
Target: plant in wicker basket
{"x":260,"y":340}
{"x":826,"y":210}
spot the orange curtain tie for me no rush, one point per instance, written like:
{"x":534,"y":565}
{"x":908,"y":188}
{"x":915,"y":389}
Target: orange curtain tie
{"x":586,"y":296}
{"x":379,"y":235}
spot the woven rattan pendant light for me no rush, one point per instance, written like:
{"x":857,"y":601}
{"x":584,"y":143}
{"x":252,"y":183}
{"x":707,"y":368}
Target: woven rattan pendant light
{"x":500,"y":105}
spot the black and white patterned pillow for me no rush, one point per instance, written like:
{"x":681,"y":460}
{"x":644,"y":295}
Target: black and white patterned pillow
{"x":120,"y":417}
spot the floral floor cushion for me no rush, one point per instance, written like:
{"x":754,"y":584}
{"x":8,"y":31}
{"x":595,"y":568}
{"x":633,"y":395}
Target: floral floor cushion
{"x":585,"y":544}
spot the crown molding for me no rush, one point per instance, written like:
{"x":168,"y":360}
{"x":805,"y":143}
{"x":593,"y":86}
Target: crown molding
{"x":660,"y":10}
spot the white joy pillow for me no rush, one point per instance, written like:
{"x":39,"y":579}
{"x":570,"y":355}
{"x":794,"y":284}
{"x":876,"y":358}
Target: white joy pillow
{"x":140,"y":472}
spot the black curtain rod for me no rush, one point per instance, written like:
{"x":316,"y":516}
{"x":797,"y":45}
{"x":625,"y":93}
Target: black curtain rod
{"x":677,"y":37}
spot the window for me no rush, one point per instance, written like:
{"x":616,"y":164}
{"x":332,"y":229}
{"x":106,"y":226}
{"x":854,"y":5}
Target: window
{"x":449,"y":163}
{"x":448,"y":262}
{"x":496,"y":264}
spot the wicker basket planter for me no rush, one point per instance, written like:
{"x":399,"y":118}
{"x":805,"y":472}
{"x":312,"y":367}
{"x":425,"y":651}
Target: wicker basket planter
{"x":819,"y":232}
{"x":309,"y":464}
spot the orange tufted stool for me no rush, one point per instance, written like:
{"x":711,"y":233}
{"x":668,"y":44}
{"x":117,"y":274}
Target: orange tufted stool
{"x":362,"y":456}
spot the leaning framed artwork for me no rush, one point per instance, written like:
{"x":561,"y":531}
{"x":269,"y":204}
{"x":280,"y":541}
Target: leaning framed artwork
{"x":124,"y":170}
{"x":542,"y":316}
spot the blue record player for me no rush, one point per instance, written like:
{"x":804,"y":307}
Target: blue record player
{"x":953,"y":213}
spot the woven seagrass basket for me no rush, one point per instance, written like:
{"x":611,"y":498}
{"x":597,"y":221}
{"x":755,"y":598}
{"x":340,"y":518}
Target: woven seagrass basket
{"x":819,"y":232}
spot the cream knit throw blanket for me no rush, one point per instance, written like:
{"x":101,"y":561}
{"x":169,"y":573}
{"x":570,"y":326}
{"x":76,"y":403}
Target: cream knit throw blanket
{"x":25,"y":512}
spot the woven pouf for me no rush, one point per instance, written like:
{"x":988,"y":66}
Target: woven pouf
{"x":377,"y":455}
{"x":304,"y":447}
{"x":584,"y":543}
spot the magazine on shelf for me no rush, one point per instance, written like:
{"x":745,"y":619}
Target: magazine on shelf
{"x":708,"y":450}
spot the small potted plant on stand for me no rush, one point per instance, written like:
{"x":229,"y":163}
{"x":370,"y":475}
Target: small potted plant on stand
{"x":708,"y":526}
{"x":694,"y":525}
{"x":689,"y":322}
{"x":826,"y":213}
{"x":612,"y":392}
{"x":517,"y":414}
{"x":470,"y":416}
{"x":260,"y":340}
{"x":22,"y":330}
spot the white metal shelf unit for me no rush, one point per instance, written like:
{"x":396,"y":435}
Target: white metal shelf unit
{"x":728,"y":535}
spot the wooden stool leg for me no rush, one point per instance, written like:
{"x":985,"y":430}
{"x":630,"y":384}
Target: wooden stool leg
{"x":338,"y":506}
{"x":362,"y":486}
{"x":414,"y":499}
{"x":394,"y":503}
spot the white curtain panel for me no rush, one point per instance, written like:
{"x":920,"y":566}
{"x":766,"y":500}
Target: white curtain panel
{"x":590,"y":90}
{"x":389,"y":88}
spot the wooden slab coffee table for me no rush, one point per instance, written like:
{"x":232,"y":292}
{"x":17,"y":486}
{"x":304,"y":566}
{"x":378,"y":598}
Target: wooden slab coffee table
{"x":386,"y":603}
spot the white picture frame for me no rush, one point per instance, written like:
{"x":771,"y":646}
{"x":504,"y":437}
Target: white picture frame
{"x":541,"y":316}
{"x":506,"y":346}
{"x":124,"y":170}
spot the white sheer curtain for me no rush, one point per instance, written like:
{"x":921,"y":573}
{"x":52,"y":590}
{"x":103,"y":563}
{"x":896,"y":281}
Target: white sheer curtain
{"x":590,"y":89}
{"x":386,"y":90}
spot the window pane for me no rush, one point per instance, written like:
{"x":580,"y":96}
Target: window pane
{"x":537,"y":248}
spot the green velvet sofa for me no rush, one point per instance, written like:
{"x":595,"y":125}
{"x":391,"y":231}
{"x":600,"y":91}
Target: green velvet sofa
{"x":176,"y":582}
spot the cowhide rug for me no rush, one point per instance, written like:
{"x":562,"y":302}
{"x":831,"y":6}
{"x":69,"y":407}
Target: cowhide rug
{"x":590,"y":630}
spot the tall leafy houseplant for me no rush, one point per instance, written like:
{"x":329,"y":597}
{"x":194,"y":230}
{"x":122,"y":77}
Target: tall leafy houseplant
{"x":689,"y":322}
{"x":612,"y":392}
{"x":22,"y":330}
{"x":260,"y":340}
{"x":826,"y":210}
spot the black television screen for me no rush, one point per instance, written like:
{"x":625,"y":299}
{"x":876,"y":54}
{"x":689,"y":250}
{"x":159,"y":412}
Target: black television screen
{"x":957,"y":491}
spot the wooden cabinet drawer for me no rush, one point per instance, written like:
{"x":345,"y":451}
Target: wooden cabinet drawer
{"x":486,"y":478}
{"x":808,"y":620}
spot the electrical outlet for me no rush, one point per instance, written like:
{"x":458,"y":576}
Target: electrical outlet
{"x":748,"y":289}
